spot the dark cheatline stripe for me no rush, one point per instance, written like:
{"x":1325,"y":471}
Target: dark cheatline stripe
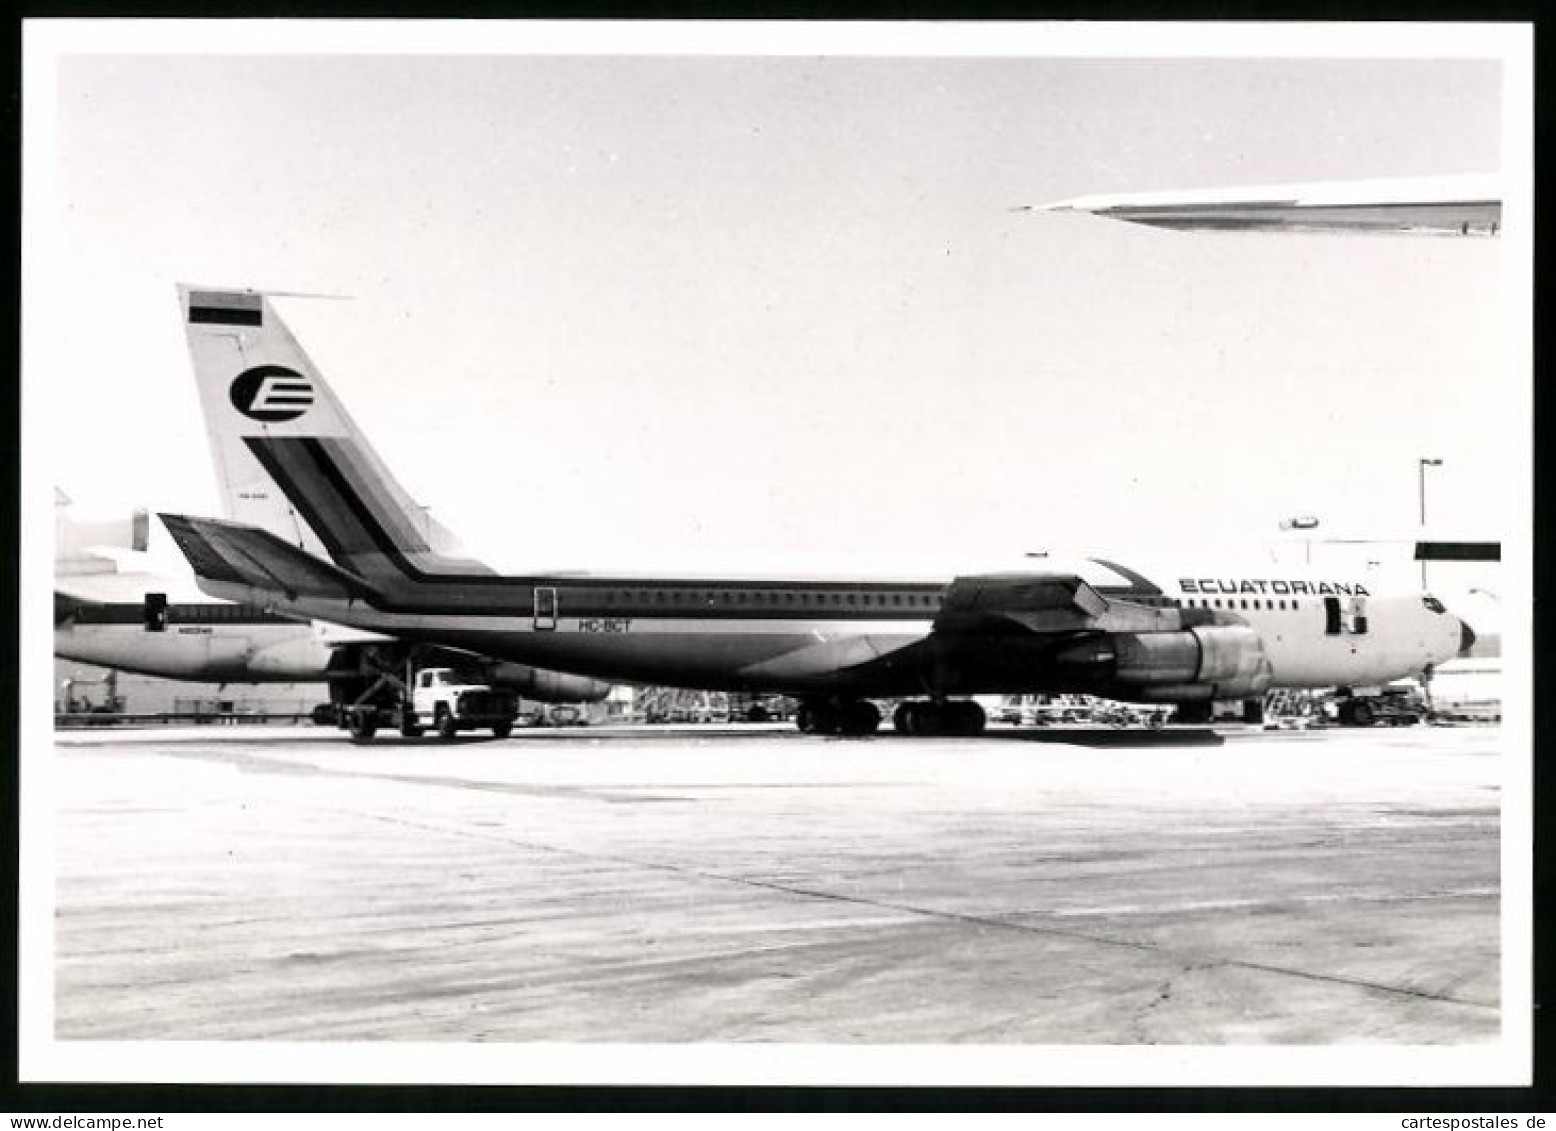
{"x":224,"y":317}
{"x":312,"y":478}
{"x":66,"y":606}
{"x":202,"y":612}
{"x":375,"y":496}
{"x":379,"y":555}
{"x":1458,"y":551}
{"x":290,"y":463}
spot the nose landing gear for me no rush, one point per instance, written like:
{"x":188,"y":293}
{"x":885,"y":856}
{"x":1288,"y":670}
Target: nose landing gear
{"x":852,"y":717}
{"x":961,"y":718}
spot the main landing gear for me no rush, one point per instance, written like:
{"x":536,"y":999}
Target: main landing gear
{"x":1195,"y":713}
{"x":858,"y":717}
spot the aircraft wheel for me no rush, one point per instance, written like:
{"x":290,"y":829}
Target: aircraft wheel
{"x":1362,"y":714}
{"x":362,"y":724}
{"x":1192,"y":714}
{"x":901,"y":718}
{"x":925,"y":719}
{"x":966,"y":718}
{"x":444,"y":722}
{"x":819,"y":718}
{"x":860,"y":717}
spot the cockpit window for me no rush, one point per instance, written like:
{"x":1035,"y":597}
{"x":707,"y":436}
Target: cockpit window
{"x":1434,"y":604}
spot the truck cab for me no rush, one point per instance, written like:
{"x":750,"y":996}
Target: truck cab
{"x":450,"y":700}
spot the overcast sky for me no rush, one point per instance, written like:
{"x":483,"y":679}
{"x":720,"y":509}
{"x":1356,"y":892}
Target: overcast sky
{"x":684,"y":305}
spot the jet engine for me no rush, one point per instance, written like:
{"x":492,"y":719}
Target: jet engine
{"x":355,"y":667}
{"x":545,"y":685}
{"x":1214,"y":661}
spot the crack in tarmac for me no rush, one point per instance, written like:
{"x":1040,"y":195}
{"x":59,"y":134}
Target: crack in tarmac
{"x":630,"y":794}
{"x":1191,"y":959}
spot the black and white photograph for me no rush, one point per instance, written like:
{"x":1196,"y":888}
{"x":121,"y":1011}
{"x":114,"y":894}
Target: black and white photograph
{"x":796,"y":553}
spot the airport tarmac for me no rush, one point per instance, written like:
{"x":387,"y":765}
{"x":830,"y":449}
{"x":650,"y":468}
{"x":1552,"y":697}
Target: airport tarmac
{"x":756,"y":885}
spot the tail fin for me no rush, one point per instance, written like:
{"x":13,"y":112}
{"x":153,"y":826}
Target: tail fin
{"x":289,"y":459}
{"x":75,"y":539}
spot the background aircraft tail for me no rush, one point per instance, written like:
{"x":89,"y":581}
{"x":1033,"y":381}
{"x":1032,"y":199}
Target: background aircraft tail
{"x":78,"y":542}
{"x":289,"y":459}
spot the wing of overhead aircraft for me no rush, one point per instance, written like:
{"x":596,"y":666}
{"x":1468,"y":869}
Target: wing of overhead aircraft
{"x":1457,"y":205}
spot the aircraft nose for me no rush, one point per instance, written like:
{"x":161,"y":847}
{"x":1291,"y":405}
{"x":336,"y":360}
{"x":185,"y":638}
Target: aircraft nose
{"x":1466,"y":637}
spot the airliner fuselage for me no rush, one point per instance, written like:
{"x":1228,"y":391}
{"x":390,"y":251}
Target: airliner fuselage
{"x":892,"y":637}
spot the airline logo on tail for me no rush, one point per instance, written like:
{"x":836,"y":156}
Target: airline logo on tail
{"x":271,"y":394}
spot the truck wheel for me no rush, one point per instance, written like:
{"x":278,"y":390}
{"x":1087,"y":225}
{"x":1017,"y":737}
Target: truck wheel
{"x":502,"y":730}
{"x":1362,"y":713}
{"x":410,"y":728}
{"x":445,"y":723}
{"x":362,"y":724}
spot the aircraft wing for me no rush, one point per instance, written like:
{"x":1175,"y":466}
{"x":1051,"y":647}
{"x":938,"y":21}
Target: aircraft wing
{"x":1041,"y":605}
{"x":1459,"y":205}
{"x":1036,"y":603}
{"x":228,"y":554}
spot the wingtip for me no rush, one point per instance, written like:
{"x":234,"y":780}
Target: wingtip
{"x":1073,"y":204}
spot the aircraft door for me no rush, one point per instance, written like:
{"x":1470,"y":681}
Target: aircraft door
{"x":1331,"y":616}
{"x":154,"y":612}
{"x":545,"y":608}
{"x":1356,"y":616}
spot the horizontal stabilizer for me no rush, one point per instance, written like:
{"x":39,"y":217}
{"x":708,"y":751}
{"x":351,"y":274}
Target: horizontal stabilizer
{"x":231,"y":554}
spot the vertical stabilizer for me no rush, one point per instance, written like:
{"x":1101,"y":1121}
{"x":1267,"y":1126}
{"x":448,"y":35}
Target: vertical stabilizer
{"x":77,"y":541}
{"x":289,"y":459}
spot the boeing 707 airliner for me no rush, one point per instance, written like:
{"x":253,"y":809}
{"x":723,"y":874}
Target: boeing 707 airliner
{"x":324,"y":531}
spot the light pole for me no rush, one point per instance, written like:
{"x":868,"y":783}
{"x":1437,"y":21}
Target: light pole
{"x":1302,"y":522}
{"x":1421,"y":465}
